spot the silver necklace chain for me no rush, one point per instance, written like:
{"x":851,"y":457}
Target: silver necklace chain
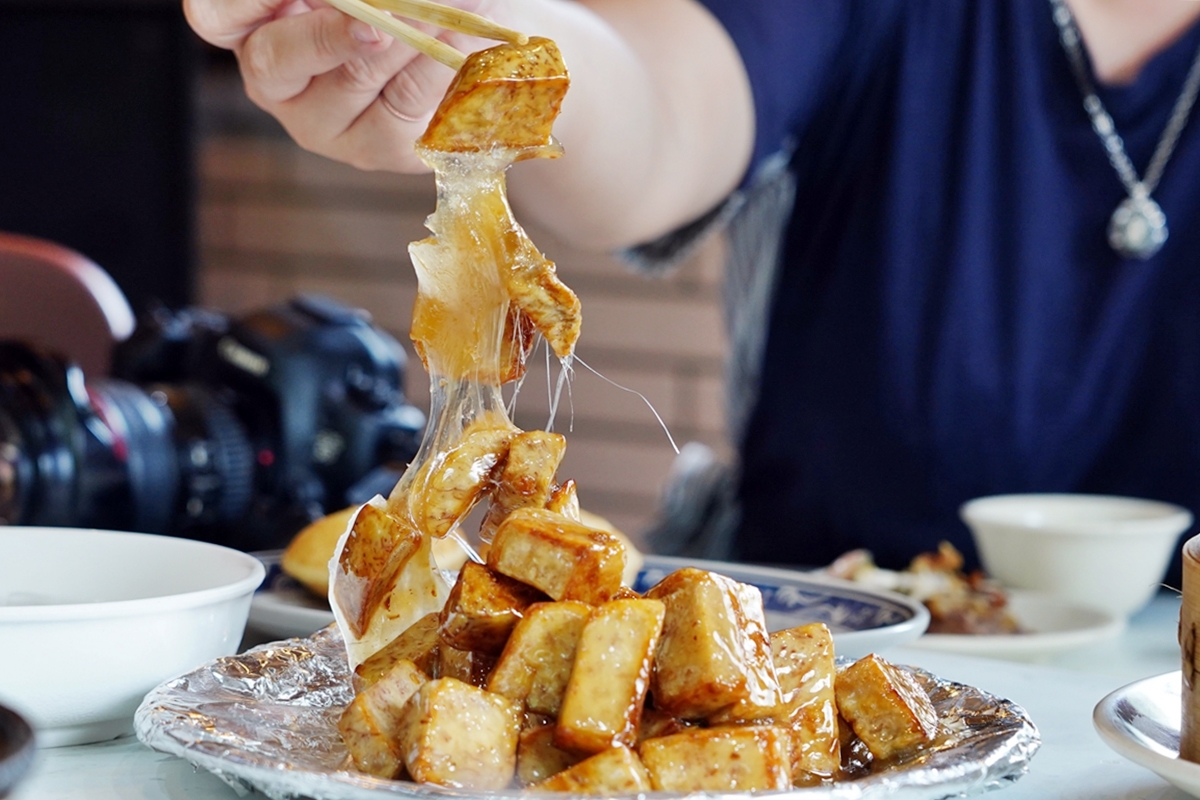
{"x":1138,"y":228}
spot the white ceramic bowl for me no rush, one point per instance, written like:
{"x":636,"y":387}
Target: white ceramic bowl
{"x":90,"y":621}
{"x":1097,"y":550}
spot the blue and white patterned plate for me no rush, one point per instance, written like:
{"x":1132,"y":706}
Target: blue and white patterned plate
{"x":862,"y":620}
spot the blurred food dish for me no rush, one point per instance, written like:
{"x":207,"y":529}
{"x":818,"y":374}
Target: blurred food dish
{"x":1047,"y":624}
{"x":959,"y":603}
{"x":91,"y":620}
{"x":283,"y":607}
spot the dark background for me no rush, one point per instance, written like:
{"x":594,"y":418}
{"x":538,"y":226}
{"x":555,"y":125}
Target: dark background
{"x":96,"y":150}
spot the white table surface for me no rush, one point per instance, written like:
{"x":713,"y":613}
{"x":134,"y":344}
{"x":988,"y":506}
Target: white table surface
{"x":1059,"y":693}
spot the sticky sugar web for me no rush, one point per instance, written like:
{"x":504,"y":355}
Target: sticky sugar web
{"x":485,"y":293}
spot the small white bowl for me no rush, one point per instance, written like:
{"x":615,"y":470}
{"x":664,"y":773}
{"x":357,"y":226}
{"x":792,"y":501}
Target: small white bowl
{"x":1102,"y":551}
{"x":90,"y":621}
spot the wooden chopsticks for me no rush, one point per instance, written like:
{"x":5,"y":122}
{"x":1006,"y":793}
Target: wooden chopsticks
{"x":376,"y":13}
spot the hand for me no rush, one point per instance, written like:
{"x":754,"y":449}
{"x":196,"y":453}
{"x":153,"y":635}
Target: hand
{"x":341,"y":88}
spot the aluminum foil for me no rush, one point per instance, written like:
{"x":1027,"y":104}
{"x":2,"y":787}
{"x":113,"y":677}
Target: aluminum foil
{"x":266,"y":720}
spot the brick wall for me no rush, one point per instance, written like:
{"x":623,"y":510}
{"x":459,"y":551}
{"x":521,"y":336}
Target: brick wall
{"x":275,"y":220}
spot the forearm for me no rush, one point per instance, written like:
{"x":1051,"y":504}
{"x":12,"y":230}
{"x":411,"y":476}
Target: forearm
{"x":657,"y":126}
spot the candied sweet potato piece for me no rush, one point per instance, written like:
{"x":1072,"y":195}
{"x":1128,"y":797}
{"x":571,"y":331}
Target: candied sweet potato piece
{"x":886,"y":707}
{"x":807,"y":670}
{"x":605,"y":695}
{"x":454,"y":734}
{"x":565,"y":559}
{"x":378,"y":546}
{"x":451,"y":482}
{"x":526,"y":477}
{"x":536,"y":663}
{"x":382,"y":581}
{"x":371,"y":722}
{"x":732,"y":759}
{"x":418,"y":644}
{"x":468,"y":666}
{"x":615,"y":771}
{"x":564,"y":499}
{"x":714,"y":652}
{"x":538,"y":757}
{"x":506,"y":96}
{"x":482,"y":609}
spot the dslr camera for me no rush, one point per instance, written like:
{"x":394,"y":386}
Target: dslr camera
{"x":235,"y":431}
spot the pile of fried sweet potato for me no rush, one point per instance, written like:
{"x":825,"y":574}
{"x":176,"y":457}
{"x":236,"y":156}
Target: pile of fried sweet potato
{"x":543,"y":671}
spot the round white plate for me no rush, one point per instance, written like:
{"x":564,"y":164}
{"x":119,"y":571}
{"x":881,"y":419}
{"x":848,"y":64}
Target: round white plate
{"x":862,"y":620}
{"x":1141,"y":722}
{"x":1052,"y":626}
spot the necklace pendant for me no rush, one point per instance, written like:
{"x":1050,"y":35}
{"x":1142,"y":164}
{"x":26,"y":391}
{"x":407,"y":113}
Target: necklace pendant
{"x":1138,"y":228}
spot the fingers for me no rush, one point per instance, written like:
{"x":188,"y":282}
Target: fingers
{"x":366,"y":109}
{"x":412,"y":92}
{"x":280,"y":59}
{"x":370,"y":123}
{"x":226,"y":23}
{"x":339,"y":87}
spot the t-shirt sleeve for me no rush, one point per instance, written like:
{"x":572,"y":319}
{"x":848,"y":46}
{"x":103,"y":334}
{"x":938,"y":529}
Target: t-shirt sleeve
{"x":796,"y":52}
{"x":801,"y":56}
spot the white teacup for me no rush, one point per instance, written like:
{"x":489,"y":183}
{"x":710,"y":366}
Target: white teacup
{"x":1097,"y":550}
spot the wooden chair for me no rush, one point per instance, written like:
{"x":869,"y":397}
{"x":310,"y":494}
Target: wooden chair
{"x":58,"y":299}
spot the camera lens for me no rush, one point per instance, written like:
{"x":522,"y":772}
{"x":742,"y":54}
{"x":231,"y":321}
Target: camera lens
{"x":109,"y":454}
{"x":213,"y":455}
{"x":134,"y":439}
{"x":14,"y":472}
{"x":41,"y":439}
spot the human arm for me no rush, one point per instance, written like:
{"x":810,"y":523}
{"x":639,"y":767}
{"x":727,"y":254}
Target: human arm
{"x":657,"y":127}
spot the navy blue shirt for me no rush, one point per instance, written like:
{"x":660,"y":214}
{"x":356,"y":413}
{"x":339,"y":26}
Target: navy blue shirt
{"x":950,"y":320}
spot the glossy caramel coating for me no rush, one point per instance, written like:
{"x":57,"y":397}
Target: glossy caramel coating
{"x":614,"y":772}
{"x":457,"y":735}
{"x":377,"y":548}
{"x":606,"y":693}
{"x":451,"y":482}
{"x":538,"y":758}
{"x":370,"y":725}
{"x":483,"y":608}
{"x":714,"y":652}
{"x":886,"y":707}
{"x":506,"y":96}
{"x":743,"y":759}
{"x":536,"y":663}
{"x":417,"y":644}
{"x":565,"y":559}
{"x":806,"y":668}
{"x":526,"y":477}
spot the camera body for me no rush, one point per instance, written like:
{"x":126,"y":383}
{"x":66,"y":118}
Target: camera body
{"x":238,"y":431}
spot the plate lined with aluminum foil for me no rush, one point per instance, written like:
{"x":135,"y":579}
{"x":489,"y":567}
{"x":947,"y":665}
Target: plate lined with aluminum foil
{"x":266,"y":720}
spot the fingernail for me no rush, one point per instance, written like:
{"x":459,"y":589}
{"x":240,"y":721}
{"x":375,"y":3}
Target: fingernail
{"x":365,"y":33}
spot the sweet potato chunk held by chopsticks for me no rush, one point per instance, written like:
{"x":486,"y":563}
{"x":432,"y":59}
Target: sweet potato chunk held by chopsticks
{"x":507,"y":96}
{"x":480,"y":270}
